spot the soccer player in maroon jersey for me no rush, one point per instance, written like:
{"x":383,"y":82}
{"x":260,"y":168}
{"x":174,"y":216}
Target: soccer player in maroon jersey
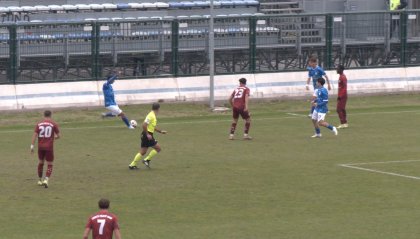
{"x":103,"y":223}
{"x":239,"y":102}
{"x":46,"y":131}
{"x":342,"y":98}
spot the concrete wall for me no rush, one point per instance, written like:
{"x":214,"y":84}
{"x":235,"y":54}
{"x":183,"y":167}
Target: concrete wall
{"x":270,"y":85}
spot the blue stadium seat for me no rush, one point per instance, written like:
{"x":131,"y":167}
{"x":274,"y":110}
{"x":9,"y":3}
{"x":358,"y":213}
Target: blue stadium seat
{"x":187,"y":4}
{"x":175,"y":5}
{"x":239,"y":3}
{"x":225,"y":3}
{"x":202,"y":4}
{"x":122,"y":6}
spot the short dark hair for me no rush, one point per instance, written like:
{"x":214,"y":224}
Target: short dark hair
{"x":47,"y":113}
{"x":313,"y":59}
{"x":103,"y":203}
{"x":321,"y":80}
{"x":155,"y":106}
{"x":340,"y":67}
{"x":242,"y":80}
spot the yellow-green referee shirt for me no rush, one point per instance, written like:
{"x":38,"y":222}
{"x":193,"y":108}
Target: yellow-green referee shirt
{"x":151,"y":121}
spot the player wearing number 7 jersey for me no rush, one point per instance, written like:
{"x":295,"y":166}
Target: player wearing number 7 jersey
{"x":103,"y":223}
{"x":46,"y":131}
{"x":239,"y":102}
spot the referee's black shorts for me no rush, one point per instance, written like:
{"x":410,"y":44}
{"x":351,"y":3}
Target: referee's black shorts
{"x":145,"y":142}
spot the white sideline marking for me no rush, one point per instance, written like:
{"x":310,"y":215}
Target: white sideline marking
{"x":353,"y":166}
{"x":168,"y":123}
{"x":292,"y":116}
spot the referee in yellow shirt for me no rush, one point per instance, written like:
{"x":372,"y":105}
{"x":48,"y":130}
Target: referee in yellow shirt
{"x":147,"y":139}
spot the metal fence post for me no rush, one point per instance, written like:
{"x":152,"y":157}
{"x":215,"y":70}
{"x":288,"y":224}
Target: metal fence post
{"x":328,"y":40}
{"x":403,"y":37}
{"x":95,"y":50}
{"x":175,"y":47}
{"x":252,"y":43}
{"x":13,"y":54}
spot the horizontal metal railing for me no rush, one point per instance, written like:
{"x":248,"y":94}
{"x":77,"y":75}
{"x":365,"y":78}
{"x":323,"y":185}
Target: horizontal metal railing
{"x":88,"y":50}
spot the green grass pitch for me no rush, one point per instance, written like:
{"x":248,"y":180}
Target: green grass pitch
{"x":282,"y":184}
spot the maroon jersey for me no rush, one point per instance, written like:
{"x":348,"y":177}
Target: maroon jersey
{"x":239,"y":96}
{"x":342,"y":86}
{"x":102,"y":224}
{"x":46,"y":130}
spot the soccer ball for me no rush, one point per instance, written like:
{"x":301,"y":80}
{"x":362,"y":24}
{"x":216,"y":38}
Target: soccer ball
{"x":133,"y":123}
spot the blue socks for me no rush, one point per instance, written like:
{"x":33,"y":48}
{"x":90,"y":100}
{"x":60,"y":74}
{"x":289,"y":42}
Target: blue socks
{"x":317,"y":131}
{"x":125,"y":119}
{"x":330,"y":127}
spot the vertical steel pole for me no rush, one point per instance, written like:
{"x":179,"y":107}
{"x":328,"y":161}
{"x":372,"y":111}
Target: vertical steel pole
{"x":211,"y":54}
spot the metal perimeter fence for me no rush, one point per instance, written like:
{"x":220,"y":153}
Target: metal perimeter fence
{"x":89,"y":50}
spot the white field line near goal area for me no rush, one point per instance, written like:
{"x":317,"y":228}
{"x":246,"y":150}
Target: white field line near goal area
{"x":290,"y":116}
{"x":357,"y":166}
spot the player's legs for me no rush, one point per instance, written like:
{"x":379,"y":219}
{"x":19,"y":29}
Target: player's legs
{"x":247,"y":117}
{"x":49,"y":157}
{"x":341,"y":111}
{"x":315,"y":121}
{"x":235,"y":117}
{"x":155,"y":150}
{"x":137,"y":157}
{"x":322,"y":122}
{"x":41,"y":160}
{"x":125,"y":120}
{"x":116,"y":111}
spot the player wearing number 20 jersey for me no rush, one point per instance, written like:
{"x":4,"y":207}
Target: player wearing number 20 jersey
{"x":103,"y":223}
{"x":239,"y":102}
{"x":45,"y":131}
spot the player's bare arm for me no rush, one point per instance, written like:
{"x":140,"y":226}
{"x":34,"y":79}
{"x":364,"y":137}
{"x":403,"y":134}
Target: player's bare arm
{"x":231,"y":100}
{"x":328,"y":82}
{"x":307,"y":83}
{"x":144,"y":126}
{"x":246,"y":102}
{"x":86,"y":233}
{"x":160,"y":130}
{"x":34,"y":136}
{"x":117,"y":233}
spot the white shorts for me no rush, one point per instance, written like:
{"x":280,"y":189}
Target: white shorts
{"x":115,"y":110}
{"x":318,"y":116}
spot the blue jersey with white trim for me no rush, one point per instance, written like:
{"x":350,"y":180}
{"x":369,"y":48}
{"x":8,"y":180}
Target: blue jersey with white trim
{"x":322,"y":100}
{"x":109,"y":97}
{"x":315,"y":74}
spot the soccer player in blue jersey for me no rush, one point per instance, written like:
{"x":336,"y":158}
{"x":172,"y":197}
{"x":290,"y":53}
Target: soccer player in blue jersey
{"x":110,"y":103}
{"x":315,"y":72}
{"x":321,"y":109}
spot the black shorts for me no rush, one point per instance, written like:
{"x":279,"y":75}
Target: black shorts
{"x":145,"y":142}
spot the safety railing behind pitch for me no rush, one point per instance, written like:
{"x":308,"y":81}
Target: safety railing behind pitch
{"x":89,"y":50}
